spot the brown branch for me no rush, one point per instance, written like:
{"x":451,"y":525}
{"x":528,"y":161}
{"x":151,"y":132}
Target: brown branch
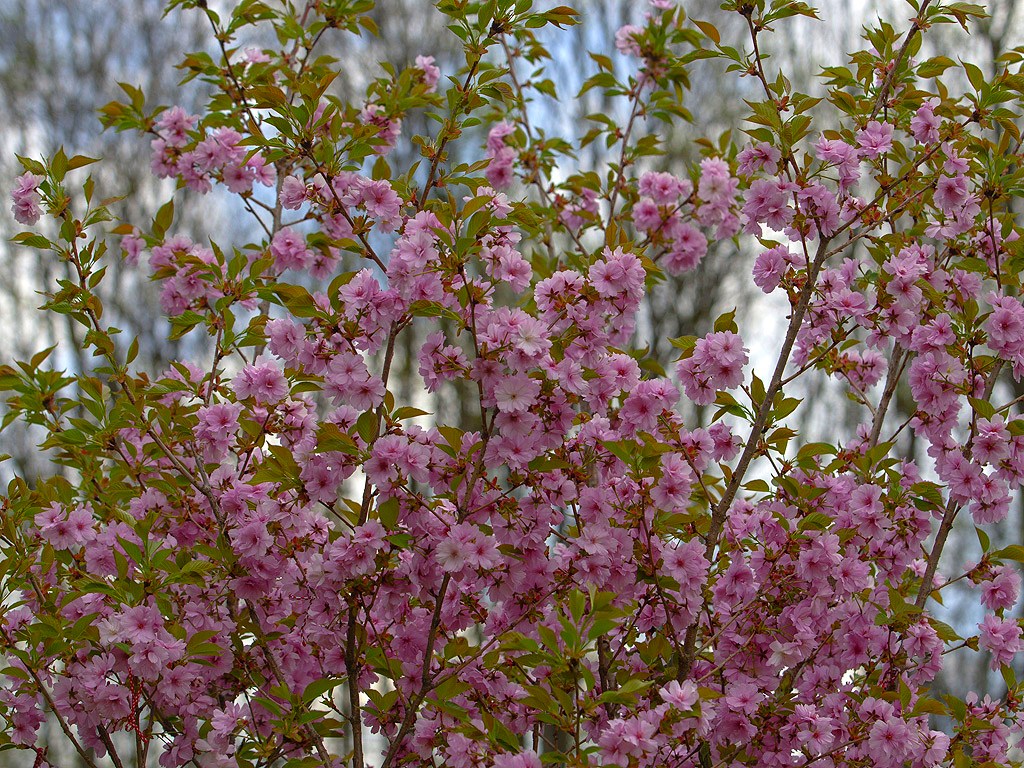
{"x":621,"y":172}
{"x":351,"y":671}
{"x":445,"y":136}
{"x":952,"y":508}
{"x":721,"y":510}
{"x":892,"y":380}
{"x":916,"y":27}
{"x":535,"y":176}
{"x":261,"y":641}
{"x":60,"y":720}
{"x":425,"y":682}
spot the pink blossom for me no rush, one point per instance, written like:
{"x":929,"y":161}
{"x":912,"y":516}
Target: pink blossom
{"x":293,"y":193}
{"x":759,"y":157}
{"x":516,"y":393}
{"x":26,"y":199}
{"x":770,"y":267}
{"x":716,"y":184}
{"x":1001,"y":638}
{"x":716,"y":363}
{"x":875,"y":139}
{"x":680,"y":695}
{"x":647,"y":216}
{"x":431,"y":74}
{"x":289,"y":249}
{"x":924,"y":125}
{"x":842,"y":156}
{"x":132,"y":246}
{"x":388,"y":128}
{"x":664,"y":188}
{"x":618,"y":273}
{"x":1001,"y":590}
{"x":264,"y":382}
{"x":950,"y":193}
{"x":174,"y":126}
{"x":768,"y":202}
{"x":381,"y":201}
{"x":688,"y":248}
{"x":502,"y":157}
{"x":626,"y":39}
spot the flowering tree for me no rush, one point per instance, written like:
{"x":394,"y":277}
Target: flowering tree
{"x":265,"y":557}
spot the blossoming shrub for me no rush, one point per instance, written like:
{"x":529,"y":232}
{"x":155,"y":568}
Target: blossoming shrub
{"x":262,"y":557}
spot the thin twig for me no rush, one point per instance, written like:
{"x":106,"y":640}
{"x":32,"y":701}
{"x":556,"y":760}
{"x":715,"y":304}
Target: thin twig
{"x":721,"y":510}
{"x":952,"y":508}
{"x":916,"y":27}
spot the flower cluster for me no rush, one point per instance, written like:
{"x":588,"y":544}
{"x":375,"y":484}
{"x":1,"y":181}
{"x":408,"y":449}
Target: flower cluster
{"x":665,"y":205}
{"x":198,"y":160}
{"x":26,"y":199}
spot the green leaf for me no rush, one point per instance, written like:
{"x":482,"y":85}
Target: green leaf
{"x":39,"y":357}
{"x":601,"y":627}
{"x":295,"y":299}
{"x":387,"y":513}
{"x":983,"y":408}
{"x":366,"y":426}
{"x":685,"y":343}
{"x":163,"y":219}
{"x":408,"y":412}
{"x":975,"y":75}
{"x":635,"y":684}
{"x":623,"y":449}
{"x":982,"y":539}
{"x":318,"y":688}
{"x":710,"y":30}
{"x":928,"y":491}
{"x":135,"y":94}
{"x":1012,"y":552}
{"x":577,"y":604}
{"x":329,"y":437}
{"x":817,"y":521}
{"x":59,"y":165}
{"x":32,"y":240}
{"x":1009,"y":677}
{"x":786,"y":407}
{"x":816,"y":449}
{"x":957,"y":708}
{"x":935,"y":66}
{"x":944,"y":632}
{"x":183,"y":323}
{"x":547,"y":463}
{"x":929,"y":706}
{"x":727,"y":322}
{"x":32,"y":166}
{"x":79,"y":161}
{"x":757,"y":390}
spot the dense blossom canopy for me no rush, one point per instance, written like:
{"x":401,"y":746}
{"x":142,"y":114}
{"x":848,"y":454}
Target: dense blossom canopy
{"x":262,"y":555}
